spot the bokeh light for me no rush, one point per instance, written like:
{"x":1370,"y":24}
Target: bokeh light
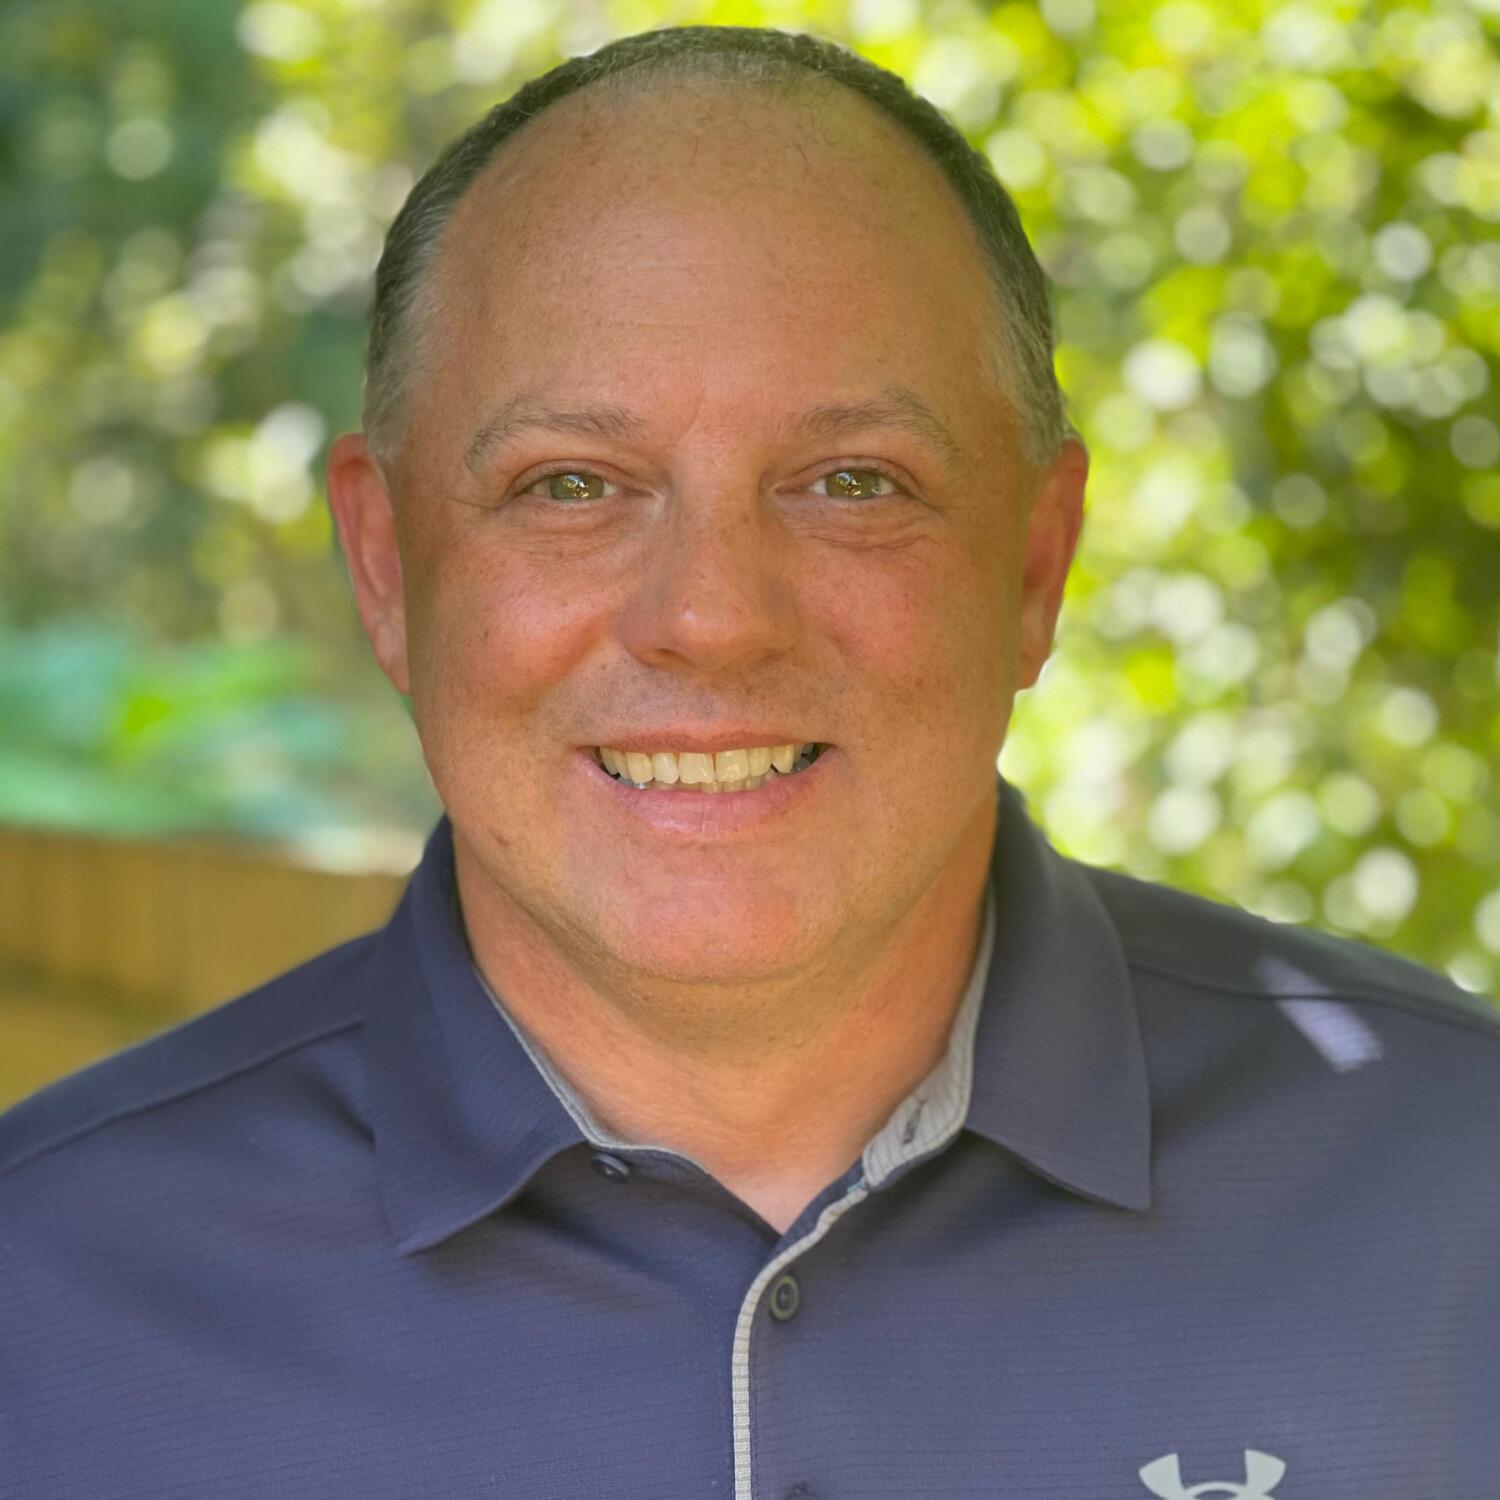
{"x":1271,"y":233}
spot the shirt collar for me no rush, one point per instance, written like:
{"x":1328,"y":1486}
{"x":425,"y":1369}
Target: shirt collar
{"x":461,"y":1118}
{"x":1045,"y":1056}
{"x":1059,"y":1067}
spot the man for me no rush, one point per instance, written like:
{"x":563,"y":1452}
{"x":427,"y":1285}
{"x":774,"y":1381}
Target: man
{"x":745,"y":1100}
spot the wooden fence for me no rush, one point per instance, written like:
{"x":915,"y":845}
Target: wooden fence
{"x":103,"y":940}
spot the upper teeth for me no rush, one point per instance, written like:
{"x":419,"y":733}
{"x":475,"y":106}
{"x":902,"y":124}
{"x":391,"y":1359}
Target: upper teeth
{"x":691,"y":767}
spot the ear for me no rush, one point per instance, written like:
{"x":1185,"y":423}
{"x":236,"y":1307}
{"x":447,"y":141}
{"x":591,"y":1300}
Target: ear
{"x":366,"y":519}
{"x":1052,"y":531}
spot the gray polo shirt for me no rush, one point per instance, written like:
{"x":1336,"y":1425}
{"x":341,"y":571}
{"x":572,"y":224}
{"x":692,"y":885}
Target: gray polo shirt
{"x":1195,"y":1206}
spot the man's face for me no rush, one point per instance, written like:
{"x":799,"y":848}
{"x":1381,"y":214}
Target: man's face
{"x":715,"y":264}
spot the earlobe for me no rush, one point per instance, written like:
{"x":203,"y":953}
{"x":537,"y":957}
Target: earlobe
{"x":365,"y":515}
{"x":1053,"y":530}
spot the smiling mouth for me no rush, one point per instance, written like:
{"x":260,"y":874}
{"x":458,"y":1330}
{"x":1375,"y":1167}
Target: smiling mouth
{"x":724,"y":771}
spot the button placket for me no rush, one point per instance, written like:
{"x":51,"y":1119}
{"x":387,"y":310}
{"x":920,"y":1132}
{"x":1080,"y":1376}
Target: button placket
{"x":766,"y":1351}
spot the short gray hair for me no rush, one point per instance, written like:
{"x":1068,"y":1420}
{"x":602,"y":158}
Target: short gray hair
{"x":672,"y":55}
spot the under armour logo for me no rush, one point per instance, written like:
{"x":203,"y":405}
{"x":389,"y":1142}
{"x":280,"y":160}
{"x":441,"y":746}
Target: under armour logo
{"x":1163,"y":1476}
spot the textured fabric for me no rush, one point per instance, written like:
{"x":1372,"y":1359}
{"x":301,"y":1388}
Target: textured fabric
{"x":1210,"y":1208}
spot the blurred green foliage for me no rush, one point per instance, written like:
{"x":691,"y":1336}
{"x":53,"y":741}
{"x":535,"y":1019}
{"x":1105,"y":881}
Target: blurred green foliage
{"x":1272,"y":232}
{"x":105,"y":730}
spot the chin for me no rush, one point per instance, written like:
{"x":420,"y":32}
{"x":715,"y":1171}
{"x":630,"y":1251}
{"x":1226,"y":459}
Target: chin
{"x":717,"y":937}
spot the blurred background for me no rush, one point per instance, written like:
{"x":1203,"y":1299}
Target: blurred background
{"x":1272,"y":234}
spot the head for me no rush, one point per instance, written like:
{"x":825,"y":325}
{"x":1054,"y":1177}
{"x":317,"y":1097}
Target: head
{"x":709,"y":404}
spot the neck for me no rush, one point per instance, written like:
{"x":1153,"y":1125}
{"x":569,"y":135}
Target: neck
{"x":776,"y":1093}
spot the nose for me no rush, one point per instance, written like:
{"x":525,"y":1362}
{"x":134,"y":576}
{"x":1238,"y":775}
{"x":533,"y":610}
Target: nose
{"x":715,"y":592}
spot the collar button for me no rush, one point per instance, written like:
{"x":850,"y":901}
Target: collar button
{"x":610,"y":1166}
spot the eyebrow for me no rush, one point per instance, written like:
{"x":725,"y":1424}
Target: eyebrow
{"x":900,"y":408}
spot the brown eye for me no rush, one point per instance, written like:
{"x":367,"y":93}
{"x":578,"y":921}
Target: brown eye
{"x":859,"y":484}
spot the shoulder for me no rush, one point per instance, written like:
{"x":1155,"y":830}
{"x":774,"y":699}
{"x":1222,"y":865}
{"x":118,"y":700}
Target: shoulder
{"x":1289,"y":1045}
{"x":1191,"y":941}
{"x":301,"y":1007}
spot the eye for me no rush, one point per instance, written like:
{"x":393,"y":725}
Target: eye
{"x":849,"y":480}
{"x":568,"y":485}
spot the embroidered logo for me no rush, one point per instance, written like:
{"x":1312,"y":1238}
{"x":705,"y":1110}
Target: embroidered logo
{"x":1163,"y":1477}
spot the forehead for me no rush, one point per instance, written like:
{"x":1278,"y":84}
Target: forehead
{"x":709,"y":227}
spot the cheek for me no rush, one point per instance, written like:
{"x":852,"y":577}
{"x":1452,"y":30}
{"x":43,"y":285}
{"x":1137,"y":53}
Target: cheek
{"x":500,"y":632}
{"x":922,"y":623}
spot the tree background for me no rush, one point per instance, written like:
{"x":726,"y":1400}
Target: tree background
{"x":1271,"y":230}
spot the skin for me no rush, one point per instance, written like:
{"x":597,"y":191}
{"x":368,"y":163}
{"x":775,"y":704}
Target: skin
{"x":715,"y":259}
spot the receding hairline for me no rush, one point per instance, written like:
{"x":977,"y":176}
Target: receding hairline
{"x":692,"y":59}
{"x":643,"y":87}
{"x":582,"y":115}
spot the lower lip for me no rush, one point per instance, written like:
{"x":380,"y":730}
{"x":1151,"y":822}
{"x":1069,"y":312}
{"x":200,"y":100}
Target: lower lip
{"x":707,"y":815}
